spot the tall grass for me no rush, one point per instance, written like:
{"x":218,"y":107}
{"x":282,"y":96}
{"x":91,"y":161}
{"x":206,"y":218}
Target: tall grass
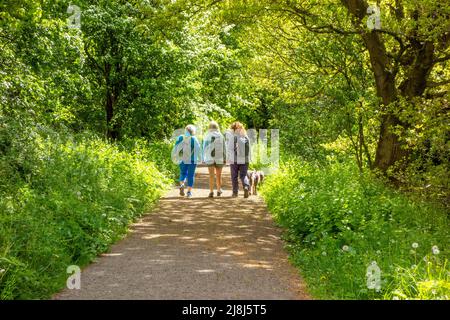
{"x":63,"y":202}
{"x":339,"y":222}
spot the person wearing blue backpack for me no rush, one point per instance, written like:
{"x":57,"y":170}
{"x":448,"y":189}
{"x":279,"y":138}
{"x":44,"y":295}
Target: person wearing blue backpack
{"x":187,"y":151}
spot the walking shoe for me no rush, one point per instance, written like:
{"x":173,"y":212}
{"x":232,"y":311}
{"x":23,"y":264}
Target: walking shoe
{"x":182,"y":190}
{"x":219,"y":193}
{"x":189,"y":194}
{"x":234,"y":195}
{"x":246,"y":192}
{"x":211,"y":195}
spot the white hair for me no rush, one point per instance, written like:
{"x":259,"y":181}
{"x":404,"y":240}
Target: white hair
{"x":191,"y":129}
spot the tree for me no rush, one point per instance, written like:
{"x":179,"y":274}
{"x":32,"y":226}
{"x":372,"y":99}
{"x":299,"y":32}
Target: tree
{"x":408,"y":55}
{"x":402,"y":71}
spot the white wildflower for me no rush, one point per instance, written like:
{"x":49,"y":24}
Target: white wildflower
{"x":435,"y":250}
{"x":373,"y":274}
{"x":415,"y":245}
{"x":345,"y":248}
{"x":324,"y":253}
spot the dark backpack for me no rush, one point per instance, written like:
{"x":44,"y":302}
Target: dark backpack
{"x":246,"y":146}
{"x":213,"y":152}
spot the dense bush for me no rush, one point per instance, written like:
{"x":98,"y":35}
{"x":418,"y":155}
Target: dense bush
{"x":338,"y":222}
{"x":65,"y":199}
{"x":157,"y":152}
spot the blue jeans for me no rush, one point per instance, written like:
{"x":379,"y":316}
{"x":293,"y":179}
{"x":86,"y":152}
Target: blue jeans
{"x":188,"y":171}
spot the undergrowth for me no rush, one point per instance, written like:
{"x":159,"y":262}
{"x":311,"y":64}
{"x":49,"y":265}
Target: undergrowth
{"x":65,"y":199}
{"x":339,"y":223}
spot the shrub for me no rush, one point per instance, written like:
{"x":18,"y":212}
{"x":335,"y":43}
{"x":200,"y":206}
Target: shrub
{"x":157,"y":152}
{"x":74,"y":197}
{"x":338,"y":222}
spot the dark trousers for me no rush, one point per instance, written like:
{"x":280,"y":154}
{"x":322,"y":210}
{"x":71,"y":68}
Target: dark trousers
{"x":239,"y":171}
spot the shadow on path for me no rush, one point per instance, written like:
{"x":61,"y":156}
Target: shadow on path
{"x":198,"y":248}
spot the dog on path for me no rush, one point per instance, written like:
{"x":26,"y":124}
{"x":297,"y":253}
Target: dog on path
{"x":255,"y":178}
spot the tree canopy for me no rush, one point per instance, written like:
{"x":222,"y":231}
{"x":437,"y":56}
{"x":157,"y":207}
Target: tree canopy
{"x":372,"y":77}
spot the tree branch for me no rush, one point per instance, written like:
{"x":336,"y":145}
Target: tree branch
{"x":438,"y":84}
{"x":441,"y":59}
{"x":325,"y":28}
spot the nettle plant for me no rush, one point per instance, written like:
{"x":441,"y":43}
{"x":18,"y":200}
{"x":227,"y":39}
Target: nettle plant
{"x":354,"y":237}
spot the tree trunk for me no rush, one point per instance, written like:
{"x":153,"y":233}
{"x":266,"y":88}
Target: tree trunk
{"x":391,"y":149}
{"x":111,"y":129}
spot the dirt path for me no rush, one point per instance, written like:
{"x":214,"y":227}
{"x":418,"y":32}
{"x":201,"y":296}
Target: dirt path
{"x":199,"y":248}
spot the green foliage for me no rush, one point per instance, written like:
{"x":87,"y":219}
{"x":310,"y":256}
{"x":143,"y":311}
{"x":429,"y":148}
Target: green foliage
{"x":317,"y":67}
{"x":149,"y":67}
{"x":325,"y":209}
{"x":157,"y":152}
{"x":65,"y":200}
{"x":428,"y":280}
{"x":152,"y":63}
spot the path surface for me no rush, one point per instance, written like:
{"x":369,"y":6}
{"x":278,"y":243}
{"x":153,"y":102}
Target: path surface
{"x":199,"y":248}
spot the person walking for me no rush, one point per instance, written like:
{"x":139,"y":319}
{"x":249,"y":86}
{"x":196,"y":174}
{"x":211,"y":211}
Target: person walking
{"x":238,"y":156}
{"x":188,"y":146}
{"x":214,"y":156}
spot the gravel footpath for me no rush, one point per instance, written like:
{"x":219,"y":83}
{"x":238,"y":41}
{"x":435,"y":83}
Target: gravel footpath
{"x":198,"y":248}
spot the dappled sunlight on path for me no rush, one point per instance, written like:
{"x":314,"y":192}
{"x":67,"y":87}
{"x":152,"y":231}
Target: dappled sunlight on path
{"x":198,"y":248}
